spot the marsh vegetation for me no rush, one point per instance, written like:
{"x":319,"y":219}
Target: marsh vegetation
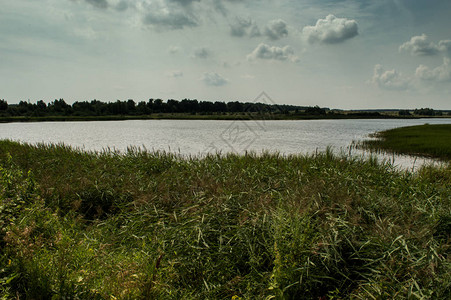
{"x":152,"y":225}
{"x":425,"y":140}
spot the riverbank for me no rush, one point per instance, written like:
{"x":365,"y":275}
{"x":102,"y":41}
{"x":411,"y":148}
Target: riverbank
{"x":424,"y":140}
{"x":152,"y":225}
{"x":183,"y":116}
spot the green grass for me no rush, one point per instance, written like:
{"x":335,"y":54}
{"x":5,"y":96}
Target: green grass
{"x":146,"y":225}
{"x":423,"y":140}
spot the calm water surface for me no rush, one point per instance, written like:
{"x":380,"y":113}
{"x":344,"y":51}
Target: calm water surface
{"x":195,"y":137}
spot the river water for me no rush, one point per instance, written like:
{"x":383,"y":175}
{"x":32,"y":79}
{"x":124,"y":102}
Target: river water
{"x":198,"y":137}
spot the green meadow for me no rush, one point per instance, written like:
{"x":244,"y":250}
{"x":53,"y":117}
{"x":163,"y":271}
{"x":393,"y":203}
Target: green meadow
{"x":153,"y":225}
{"x":425,"y":140}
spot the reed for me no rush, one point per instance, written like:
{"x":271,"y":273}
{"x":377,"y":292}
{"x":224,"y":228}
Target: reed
{"x":153,"y":225}
{"x":425,"y":140}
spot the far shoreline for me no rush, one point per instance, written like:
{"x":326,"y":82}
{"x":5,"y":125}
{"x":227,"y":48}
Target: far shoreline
{"x":226,"y":117}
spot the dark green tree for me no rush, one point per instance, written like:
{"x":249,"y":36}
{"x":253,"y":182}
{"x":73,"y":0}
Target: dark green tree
{"x":131,"y":107}
{"x":40,"y":105}
{"x":424,"y":112}
{"x":404,"y":112}
{"x":316,"y":110}
{"x":157,"y":105}
{"x":3,"y":105}
{"x":142,"y":108}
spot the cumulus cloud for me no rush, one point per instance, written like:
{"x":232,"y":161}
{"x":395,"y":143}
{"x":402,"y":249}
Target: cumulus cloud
{"x":445,"y":45}
{"x":214,"y":79}
{"x":170,"y":19}
{"x":389,"y":79}
{"x":171,"y":14}
{"x":276,"y":29}
{"x":244,"y":27}
{"x":201,"y":53}
{"x":331,"y":30}
{"x":264,"y":51}
{"x":419,"y":45}
{"x":168,"y":14}
{"x":439,"y":74}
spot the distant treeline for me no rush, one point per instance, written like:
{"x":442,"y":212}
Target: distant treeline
{"x":186,"y":106}
{"x":130,"y":107}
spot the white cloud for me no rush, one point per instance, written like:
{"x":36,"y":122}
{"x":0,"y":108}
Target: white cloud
{"x":174,"y":14}
{"x":389,"y":80}
{"x":419,"y":45}
{"x":264,"y":51}
{"x":445,"y":45}
{"x":440,"y":73}
{"x":244,"y":27}
{"x":276,"y":29}
{"x":393,"y":80}
{"x":331,"y":30}
{"x":239,"y":27}
{"x":170,"y":20}
{"x":214,"y":79}
{"x":168,"y":14}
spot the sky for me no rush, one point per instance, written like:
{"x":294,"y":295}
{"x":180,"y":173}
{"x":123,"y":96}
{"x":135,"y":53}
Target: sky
{"x":333,"y":53}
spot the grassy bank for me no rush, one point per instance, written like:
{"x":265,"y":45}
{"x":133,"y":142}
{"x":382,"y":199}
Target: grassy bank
{"x":144,"y":225}
{"x":425,"y":140}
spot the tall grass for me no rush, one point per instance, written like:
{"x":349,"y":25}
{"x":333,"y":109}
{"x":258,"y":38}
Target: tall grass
{"x":426,"y":140}
{"x":152,"y":225}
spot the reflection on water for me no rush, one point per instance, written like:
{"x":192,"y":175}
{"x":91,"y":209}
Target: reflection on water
{"x":198,"y":137}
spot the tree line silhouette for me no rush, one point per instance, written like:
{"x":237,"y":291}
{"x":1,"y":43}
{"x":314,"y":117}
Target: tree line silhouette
{"x":152,"y":106}
{"x":94,"y":108}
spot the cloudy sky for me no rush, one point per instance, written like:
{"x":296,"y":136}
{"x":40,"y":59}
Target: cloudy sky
{"x":336,"y":53}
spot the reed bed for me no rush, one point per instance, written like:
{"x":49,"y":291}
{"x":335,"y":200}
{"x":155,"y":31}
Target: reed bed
{"x":153,"y":225}
{"x":424,"y":140}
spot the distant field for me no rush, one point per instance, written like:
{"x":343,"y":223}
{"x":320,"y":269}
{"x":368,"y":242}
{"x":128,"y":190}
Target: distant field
{"x":424,"y":140}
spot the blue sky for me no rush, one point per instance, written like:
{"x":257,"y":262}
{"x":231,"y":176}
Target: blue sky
{"x":339,"y":54}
